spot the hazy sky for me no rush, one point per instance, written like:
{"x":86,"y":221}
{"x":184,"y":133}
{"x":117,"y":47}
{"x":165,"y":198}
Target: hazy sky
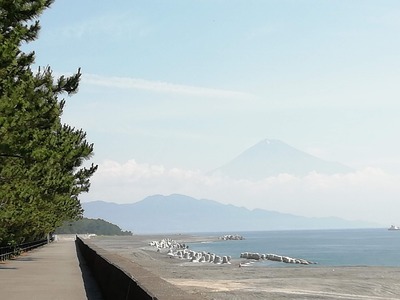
{"x":172,"y":89}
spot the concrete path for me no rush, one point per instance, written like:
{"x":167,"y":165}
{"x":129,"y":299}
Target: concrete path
{"x":51,"y":272}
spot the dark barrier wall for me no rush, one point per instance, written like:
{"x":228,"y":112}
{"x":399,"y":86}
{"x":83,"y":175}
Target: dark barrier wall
{"x":120,"y":278}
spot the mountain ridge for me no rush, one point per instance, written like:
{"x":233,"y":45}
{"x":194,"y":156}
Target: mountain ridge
{"x":183,"y":214}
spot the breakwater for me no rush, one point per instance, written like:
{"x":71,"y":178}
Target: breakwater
{"x":274,"y":257}
{"x":121,"y":278}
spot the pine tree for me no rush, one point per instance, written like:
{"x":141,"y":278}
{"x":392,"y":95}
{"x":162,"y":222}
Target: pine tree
{"x":40,"y":158}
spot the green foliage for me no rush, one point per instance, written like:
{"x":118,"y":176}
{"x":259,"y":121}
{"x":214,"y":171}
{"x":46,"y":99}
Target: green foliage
{"x":85,"y":225}
{"x":40,"y":158}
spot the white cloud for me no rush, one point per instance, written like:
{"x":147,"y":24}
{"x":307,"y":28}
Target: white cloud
{"x":368,"y":194}
{"x":160,"y":87}
{"x":111,"y":25}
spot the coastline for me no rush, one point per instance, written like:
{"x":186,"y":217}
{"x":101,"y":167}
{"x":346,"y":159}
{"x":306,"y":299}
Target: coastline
{"x":229,"y":281}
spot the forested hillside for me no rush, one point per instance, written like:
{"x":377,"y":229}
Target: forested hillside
{"x":85,"y":225}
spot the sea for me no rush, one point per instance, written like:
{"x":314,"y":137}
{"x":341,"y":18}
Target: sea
{"x":344,"y":247}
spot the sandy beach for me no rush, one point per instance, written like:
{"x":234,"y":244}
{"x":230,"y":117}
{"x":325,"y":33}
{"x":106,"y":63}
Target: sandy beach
{"x":229,"y":281}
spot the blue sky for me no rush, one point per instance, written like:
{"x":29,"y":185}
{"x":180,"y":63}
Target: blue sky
{"x":172,"y":89}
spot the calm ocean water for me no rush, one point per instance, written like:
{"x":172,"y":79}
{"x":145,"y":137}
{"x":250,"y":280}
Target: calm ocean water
{"x":351,"y":247}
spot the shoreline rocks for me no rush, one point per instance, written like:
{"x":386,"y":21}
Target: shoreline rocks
{"x":231,"y":237}
{"x":167,"y":244}
{"x":181,"y":251}
{"x":275,"y":257}
{"x":199,"y":257}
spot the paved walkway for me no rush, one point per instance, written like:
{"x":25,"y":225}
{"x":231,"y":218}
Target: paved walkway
{"x":51,"y":272}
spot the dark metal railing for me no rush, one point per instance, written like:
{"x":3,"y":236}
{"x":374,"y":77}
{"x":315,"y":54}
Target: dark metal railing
{"x":12,"y":251}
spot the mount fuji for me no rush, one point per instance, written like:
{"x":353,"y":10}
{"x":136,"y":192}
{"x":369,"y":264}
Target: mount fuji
{"x":272,"y":157}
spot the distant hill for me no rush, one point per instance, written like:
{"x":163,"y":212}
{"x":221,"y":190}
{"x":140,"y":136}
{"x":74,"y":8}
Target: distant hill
{"x":85,"y":225}
{"x":274,"y":157}
{"x":183,"y":214}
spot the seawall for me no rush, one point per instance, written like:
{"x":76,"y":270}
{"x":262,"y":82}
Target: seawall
{"x":120,"y":278}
